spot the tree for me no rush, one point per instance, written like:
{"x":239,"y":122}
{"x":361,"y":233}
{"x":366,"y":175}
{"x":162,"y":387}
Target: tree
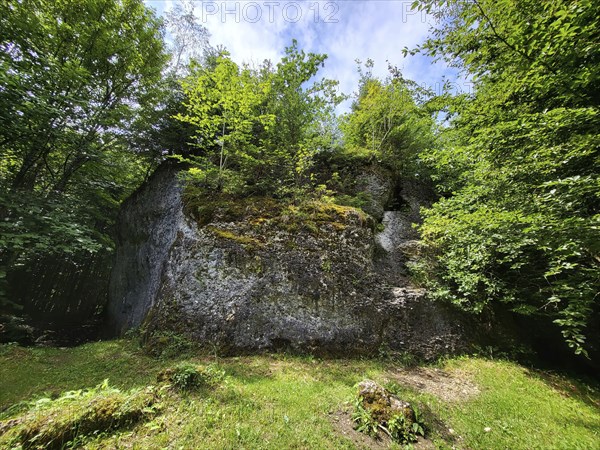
{"x":74,"y":75}
{"x":189,"y":38}
{"x":519,"y":223}
{"x":257,"y":130}
{"x":73,"y":72}
{"x":387,"y":123}
{"x":156,"y":131}
{"x":305,"y":110}
{"x":223,"y":108}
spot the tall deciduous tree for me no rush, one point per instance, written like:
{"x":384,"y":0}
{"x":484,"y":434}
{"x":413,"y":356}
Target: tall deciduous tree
{"x":304,"y":108}
{"x":387,"y":123}
{"x":222,"y":106}
{"x":73,"y":72}
{"x":257,"y":130}
{"x":156,"y":130}
{"x":189,"y":38}
{"x":73,"y":75}
{"x":519,"y":224}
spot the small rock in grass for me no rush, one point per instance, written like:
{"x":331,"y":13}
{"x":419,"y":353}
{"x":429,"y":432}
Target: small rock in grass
{"x":382,"y":404}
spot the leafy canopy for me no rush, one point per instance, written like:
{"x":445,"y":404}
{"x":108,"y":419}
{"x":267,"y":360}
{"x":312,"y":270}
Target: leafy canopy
{"x":387,"y":123}
{"x":74,"y":76}
{"x":518,"y":224}
{"x":257,"y":129}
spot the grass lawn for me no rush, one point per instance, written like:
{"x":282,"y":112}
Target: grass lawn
{"x":281,"y":401}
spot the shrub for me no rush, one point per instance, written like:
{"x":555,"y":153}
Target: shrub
{"x":167,"y":344}
{"x":189,"y":377}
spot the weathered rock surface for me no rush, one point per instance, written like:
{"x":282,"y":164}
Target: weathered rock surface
{"x":252,"y":283}
{"x":147,"y":228}
{"x":379,"y":187}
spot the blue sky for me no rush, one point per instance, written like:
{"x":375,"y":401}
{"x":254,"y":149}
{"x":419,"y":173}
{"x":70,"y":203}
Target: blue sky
{"x":345,"y":30}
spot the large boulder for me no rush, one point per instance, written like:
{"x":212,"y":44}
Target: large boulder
{"x":253,"y":274}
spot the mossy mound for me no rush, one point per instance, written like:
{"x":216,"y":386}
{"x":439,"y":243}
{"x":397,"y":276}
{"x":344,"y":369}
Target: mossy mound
{"x":378,"y":409}
{"x":381,"y":404}
{"x":77,"y":415}
{"x":307,"y":215}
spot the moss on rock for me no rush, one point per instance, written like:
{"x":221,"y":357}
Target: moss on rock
{"x":246,"y":241}
{"x":378,"y":409}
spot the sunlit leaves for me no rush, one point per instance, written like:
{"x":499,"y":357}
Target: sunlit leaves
{"x":257,"y":130}
{"x":387,"y":122}
{"x":519,"y":165}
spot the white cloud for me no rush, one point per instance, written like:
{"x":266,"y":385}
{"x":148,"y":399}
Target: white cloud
{"x":236,"y":25}
{"x":346,"y":30}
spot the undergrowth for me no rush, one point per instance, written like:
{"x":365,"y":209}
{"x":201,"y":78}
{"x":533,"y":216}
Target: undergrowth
{"x":271,"y":402}
{"x":189,"y":377}
{"x":66,"y":422}
{"x":292,"y":216}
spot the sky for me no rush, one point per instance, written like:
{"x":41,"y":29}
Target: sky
{"x":345,"y":30}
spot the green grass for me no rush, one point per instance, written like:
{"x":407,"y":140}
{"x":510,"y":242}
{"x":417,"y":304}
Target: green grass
{"x":31,"y":372}
{"x":281,"y":402}
{"x":526,"y":409}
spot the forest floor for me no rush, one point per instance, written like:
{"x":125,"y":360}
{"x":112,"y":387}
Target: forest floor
{"x":280,"y":401}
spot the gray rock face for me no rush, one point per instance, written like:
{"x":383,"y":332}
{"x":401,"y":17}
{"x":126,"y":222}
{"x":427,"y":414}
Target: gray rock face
{"x":285,"y":289}
{"x":248,"y":285}
{"x":380,"y":188}
{"x":147,"y":227}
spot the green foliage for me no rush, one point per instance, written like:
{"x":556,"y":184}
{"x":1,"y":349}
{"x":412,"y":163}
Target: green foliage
{"x":74,"y":76}
{"x":518,"y":225}
{"x":186,"y":377}
{"x":386,"y":123}
{"x":189,"y":377}
{"x":304,"y":110}
{"x":362,"y":417}
{"x":257,"y":130}
{"x":356,"y":201}
{"x":403,"y":430}
{"x":255,"y":213}
{"x":222,"y":106}
{"x":167,"y":344}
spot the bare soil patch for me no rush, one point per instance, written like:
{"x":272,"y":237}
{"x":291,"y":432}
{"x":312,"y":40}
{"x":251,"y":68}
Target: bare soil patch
{"x":447,"y":386}
{"x":343,"y":424}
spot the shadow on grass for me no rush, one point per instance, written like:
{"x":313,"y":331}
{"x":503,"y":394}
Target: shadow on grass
{"x":586,"y":391}
{"x":35,"y":372}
